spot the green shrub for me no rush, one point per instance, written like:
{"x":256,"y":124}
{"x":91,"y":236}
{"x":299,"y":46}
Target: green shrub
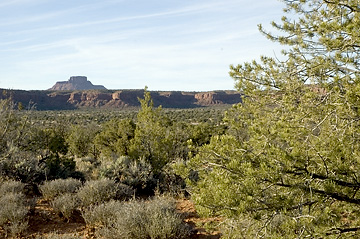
{"x":57,"y":187}
{"x":95,"y":192}
{"x":139,"y":175}
{"x":61,"y":167}
{"x":134,"y":173}
{"x":21,"y":166}
{"x":65,"y":204}
{"x":13,"y":213}
{"x":171,"y":183}
{"x":156,"y":218}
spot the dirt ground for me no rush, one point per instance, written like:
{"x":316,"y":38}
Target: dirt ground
{"x":44,"y":221}
{"x":187,"y":208}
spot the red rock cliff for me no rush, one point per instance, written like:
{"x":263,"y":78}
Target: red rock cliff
{"x":48,"y":100}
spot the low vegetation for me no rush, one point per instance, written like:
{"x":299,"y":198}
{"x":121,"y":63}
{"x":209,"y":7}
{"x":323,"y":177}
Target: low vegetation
{"x":14,"y":208}
{"x":58,"y":187}
{"x":155,"y":218}
{"x":90,"y":171}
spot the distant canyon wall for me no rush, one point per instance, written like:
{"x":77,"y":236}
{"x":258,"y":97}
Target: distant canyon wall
{"x":119,"y":99}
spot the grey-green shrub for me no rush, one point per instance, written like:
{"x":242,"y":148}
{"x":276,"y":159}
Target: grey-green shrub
{"x":13,"y":213}
{"x":163,"y":221}
{"x":57,"y":187}
{"x":124,"y":192}
{"x":11,"y":186}
{"x":98,"y":215}
{"x":87,"y":166}
{"x":156,"y":218}
{"x":65,"y":204}
{"x":95,"y":192}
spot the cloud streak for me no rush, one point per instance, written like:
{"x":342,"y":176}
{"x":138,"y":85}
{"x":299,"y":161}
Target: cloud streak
{"x":194,"y":9}
{"x":187,"y":46}
{"x":17,"y":2}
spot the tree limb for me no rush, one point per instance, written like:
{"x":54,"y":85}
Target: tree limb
{"x":337,"y":196}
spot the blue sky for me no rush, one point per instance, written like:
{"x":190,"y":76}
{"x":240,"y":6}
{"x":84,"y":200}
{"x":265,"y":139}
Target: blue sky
{"x":129,"y":44}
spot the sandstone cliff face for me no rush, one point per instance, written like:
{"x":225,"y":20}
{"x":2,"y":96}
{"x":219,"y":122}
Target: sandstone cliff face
{"x":76,"y":83}
{"x":216,"y":98}
{"x":60,"y":100}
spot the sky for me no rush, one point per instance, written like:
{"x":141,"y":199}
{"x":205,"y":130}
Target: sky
{"x":185,"y":45}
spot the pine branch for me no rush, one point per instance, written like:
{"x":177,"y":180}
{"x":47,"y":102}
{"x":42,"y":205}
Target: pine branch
{"x":337,"y":196}
{"x":338,"y":230}
{"x":322,"y":177}
{"x":352,"y":9}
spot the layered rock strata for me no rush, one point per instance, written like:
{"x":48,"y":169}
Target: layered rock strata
{"x":62,"y":100}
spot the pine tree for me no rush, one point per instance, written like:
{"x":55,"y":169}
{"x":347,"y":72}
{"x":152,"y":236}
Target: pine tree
{"x":151,"y":137}
{"x":289,"y":164}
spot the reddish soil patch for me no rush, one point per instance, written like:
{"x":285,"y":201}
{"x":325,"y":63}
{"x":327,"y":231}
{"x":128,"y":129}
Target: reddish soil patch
{"x":44,"y":221}
{"x":187,"y":208}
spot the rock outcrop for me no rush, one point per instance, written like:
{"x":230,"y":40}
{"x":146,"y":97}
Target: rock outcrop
{"x":119,"y":99}
{"x":76,"y":83}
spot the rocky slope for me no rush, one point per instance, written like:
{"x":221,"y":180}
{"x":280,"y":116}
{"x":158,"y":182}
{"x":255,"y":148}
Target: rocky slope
{"x":60,"y":100}
{"x":76,"y":83}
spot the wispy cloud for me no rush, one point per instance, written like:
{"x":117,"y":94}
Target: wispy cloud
{"x":184,"y":46}
{"x":18,"y":2}
{"x":9,"y":43}
{"x":192,"y":9}
{"x":52,"y":14}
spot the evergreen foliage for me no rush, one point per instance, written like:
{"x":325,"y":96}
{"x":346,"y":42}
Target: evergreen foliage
{"x":151,"y":137}
{"x":115,"y":137}
{"x":288,"y":165}
{"x":80,"y":140}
